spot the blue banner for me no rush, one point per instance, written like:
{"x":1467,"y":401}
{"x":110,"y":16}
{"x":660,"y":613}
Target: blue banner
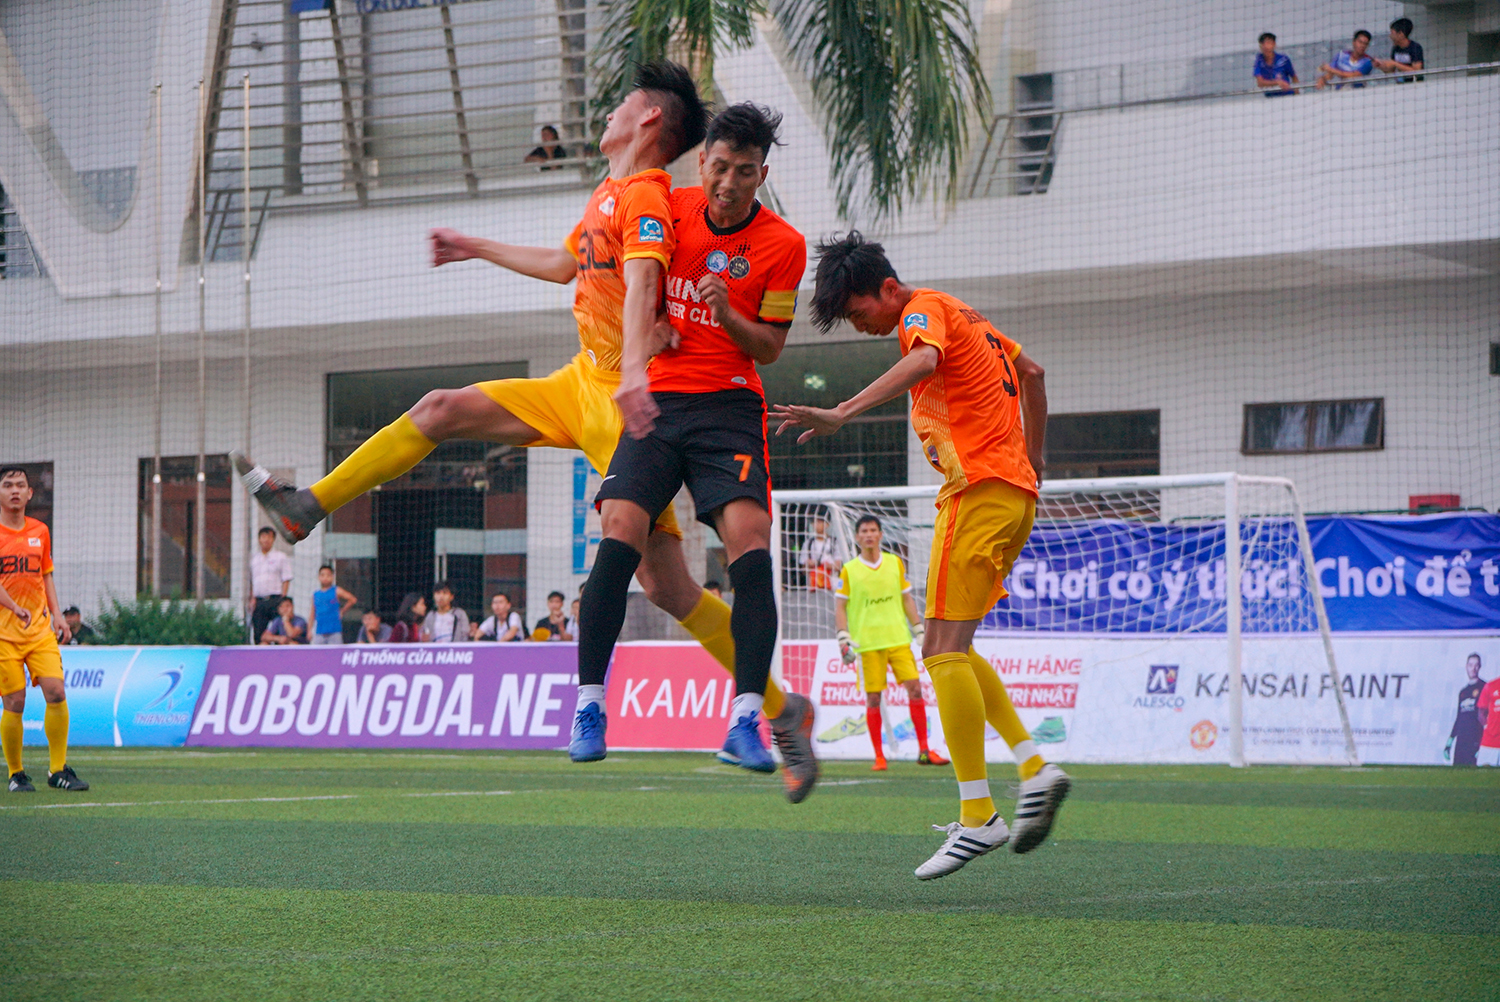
{"x":1413,"y":573}
{"x":125,"y":696}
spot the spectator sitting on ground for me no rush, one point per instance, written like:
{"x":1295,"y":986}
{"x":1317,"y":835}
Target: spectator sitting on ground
{"x":447,"y":623}
{"x":550,"y":149}
{"x":1351,"y":64}
{"x":1405,"y":54}
{"x":504,"y":623}
{"x":554,"y":625}
{"x":287,"y":627}
{"x":372,"y":630}
{"x":82,"y":632}
{"x":408,"y":626}
{"x":1273,"y":70}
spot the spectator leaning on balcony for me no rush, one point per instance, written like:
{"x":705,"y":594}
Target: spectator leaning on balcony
{"x":1405,"y":54}
{"x":1273,"y":70}
{"x":1353,"y":63}
{"x":550,"y":149}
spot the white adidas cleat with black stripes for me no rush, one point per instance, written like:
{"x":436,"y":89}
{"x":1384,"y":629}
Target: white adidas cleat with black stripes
{"x":1036,"y":808}
{"x":962,"y":845}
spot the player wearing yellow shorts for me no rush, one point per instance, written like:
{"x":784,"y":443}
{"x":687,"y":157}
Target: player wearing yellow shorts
{"x":876,"y":613}
{"x":30,"y":627}
{"x":979,"y":405}
{"x":619,"y":254}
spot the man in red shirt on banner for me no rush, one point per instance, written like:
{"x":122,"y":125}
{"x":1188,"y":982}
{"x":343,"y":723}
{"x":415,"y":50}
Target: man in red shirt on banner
{"x":1489,"y":716}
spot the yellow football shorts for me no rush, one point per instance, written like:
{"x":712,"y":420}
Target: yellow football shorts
{"x":37,"y":654}
{"x":573,"y":408}
{"x":976,"y":537}
{"x":872,"y":665}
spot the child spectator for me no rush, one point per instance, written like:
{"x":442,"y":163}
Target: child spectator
{"x":408,"y":626}
{"x":1351,"y":64}
{"x":329,"y":602}
{"x":1405,"y":54}
{"x":372,"y":630}
{"x":1273,"y":70}
{"x":445,"y":624}
{"x":504,"y":623}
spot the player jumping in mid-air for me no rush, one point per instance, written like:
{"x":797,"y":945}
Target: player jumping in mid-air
{"x":31,"y":624}
{"x":877,"y":614}
{"x":970,"y":387}
{"x":731,"y":293}
{"x":618,"y":253}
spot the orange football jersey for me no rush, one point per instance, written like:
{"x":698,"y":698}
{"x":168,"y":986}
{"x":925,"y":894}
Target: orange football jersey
{"x":761,"y":260}
{"x":626,"y":218}
{"x":968,"y":412}
{"x":25,"y":556}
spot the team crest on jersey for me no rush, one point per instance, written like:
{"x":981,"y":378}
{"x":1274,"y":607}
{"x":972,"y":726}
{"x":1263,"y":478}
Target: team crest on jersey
{"x":651,"y":231}
{"x":33,"y":541}
{"x":716,"y":262}
{"x":739,"y":267}
{"x":915,"y":320}
{"x":607,"y":207}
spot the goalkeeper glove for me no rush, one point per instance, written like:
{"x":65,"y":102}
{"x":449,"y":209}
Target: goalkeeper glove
{"x":846,"y":649}
{"x":918,"y":631}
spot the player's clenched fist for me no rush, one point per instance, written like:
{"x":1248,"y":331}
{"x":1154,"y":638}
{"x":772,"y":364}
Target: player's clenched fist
{"x":449,"y":246}
{"x":714,"y":291}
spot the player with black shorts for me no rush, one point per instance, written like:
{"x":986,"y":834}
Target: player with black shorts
{"x":731,"y":291}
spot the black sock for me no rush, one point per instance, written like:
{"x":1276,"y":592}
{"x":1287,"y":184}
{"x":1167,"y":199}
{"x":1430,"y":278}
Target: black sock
{"x":753,"y":621}
{"x":603,"y":607}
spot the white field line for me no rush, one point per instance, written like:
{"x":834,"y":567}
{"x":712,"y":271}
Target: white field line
{"x":252,"y":800}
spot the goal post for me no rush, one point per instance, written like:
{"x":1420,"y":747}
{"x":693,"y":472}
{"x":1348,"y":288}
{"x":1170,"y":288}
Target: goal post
{"x":1215,"y":571}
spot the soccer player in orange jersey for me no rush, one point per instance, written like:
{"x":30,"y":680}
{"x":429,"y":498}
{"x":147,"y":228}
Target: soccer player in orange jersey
{"x":31,"y":624}
{"x":979,"y":405}
{"x":731,"y":294}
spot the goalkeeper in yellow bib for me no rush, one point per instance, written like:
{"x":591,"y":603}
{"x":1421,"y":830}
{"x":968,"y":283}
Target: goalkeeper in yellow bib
{"x":877,"y":615}
{"x":979,"y":406}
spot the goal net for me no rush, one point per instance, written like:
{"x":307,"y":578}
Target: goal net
{"x":1148,"y":619}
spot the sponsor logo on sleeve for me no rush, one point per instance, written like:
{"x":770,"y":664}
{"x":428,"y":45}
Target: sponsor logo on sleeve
{"x":651,"y":230}
{"x":915,"y":320}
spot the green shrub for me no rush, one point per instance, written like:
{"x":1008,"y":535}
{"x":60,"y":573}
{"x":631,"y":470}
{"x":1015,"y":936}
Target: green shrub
{"x":152,"y":621}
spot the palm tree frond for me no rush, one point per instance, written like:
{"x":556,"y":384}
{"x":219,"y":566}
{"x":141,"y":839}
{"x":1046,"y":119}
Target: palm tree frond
{"x":898,"y":80}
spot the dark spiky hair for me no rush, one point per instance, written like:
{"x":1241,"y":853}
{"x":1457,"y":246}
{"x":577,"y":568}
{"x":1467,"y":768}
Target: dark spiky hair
{"x":847,"y":266}
{"x":746,"y":126}
{"x":684,"y":119}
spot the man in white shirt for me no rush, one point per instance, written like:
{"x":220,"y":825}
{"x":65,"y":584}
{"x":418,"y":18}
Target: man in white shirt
{"x":504,"y":623}
{"x":270,"y":580}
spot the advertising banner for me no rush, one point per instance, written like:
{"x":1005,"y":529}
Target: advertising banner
{"x":124,"y":696}
{"x":396,"y":696}
{"x":667,"y":696}
{"x":1423,"y":573}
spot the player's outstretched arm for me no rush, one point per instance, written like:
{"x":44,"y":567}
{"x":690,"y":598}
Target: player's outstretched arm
{"x":6,"y":602}
{"x":1033,"y":409}
{"x":919,"y":363}
{"x":637,"y":323}
{"x":550,"y":264}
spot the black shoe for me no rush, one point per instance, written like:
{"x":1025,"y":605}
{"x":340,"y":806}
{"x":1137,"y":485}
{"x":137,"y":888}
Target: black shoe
{"x":293,"y":512}
{"x":21,"y":783}
{"x":65,"y":779}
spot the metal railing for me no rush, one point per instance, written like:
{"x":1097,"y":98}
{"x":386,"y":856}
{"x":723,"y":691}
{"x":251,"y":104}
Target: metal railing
{"x":17,"y":257}
{"x":1006,"y":165}
{"x":356,"y":104}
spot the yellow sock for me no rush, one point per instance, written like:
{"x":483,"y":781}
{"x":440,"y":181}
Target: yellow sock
{"x":55,"y":723}
{"x":961,"y":708}
{"x":386,"y":455}
{"x":10,"y":740}
{"x":1001,"y":713}
{"x":709,"y":625}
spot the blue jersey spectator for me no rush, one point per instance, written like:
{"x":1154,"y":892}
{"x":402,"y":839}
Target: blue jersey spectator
{"x":1351,"y":64}
{"x":330,"y":602}
{"x":1273,"y":70}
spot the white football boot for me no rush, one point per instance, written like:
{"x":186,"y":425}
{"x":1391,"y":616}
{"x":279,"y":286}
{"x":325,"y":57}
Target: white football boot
{"x":962,"y":845}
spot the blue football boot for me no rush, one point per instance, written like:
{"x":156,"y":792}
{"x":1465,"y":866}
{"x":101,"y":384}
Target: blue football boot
{"x":587,"y":741}
{"x":743,"y":747}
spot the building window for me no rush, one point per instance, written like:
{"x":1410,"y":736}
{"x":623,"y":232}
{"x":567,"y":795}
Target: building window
{"x":869,"y":451}
{"x":459,"y":514}
{"x":1115,"y":444}
{"x":1314,"y":426}
{"x":1495,"y":359}
{"x":179,"y":526}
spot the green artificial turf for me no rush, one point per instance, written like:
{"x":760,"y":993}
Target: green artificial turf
{"x":359,"y":875}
